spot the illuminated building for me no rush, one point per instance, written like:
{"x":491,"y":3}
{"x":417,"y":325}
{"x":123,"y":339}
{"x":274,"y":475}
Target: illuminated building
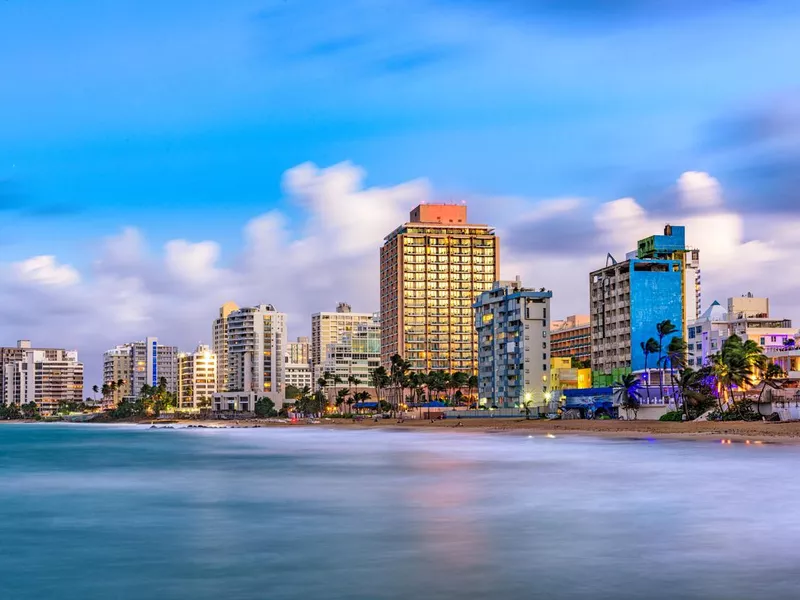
{"x":513,"y":345}
{"x":572,"y":338}
{"x":431,"y":270}
{"x":197,"y":377}
{"x":219,"y":343}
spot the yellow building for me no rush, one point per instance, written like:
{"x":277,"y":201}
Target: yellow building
{"x":197,"y":376}
{"x":431,"y":270}
{"x":564,"y":377}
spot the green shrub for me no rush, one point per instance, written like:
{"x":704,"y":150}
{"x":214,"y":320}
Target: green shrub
{"x":675,"y":415}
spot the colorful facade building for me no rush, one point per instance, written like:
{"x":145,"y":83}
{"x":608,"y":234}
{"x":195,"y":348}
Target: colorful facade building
{"x":629,"y":298}
{"x":563,"y":376}
{"x":431,"y":270}
{"x":512,"y":323}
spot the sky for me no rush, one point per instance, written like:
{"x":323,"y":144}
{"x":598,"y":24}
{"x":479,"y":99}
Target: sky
{"x":160,"y":158}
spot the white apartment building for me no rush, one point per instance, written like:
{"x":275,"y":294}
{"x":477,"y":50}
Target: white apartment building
{"x":356,"y":353}
{"x":256,"y":348}
{"x":197,"y":376}
{"x":745,"y":316}
{"x":513,"y":345}
{"x":219,"y":343}
{"x":44,"y":376}
{"x":148,"y":362}
{"x":299,"y":375}
{"x":331,"y":328}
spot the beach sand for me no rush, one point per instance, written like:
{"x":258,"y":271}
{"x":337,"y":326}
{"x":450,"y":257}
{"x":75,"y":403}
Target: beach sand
{"x":709,"y":431}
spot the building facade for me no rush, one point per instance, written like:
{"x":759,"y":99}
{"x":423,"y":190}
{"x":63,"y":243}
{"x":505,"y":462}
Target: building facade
{"x":117,"y":369}
{"x":563,"y":376}
{"x":431,"y":270}
{"x":331,"y":328}
{"x":256,"y":349}
{"x":630,"y":298}
{"x":299,"y":375}
{"x":572,"y":338}
{"x":355,"y":354}
{"x":44,"y":376}
{"x":219,"y":343}
{"x":747,"y":317}
{"x":197,"y":377}
{"x":299,"y":351}
{"x":513,"y":330}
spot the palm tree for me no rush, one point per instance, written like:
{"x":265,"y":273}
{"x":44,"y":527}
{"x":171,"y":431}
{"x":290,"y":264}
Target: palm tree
{"x":459,"y":380}
{"x":380,"y":379}
{"x":399,"y":369}
{"x":341,"y":397}
{"x":769,"y":377}
{"x":472,"y":384}
{"x":627,"y":393}
{"x":649,"y":347}
{"x":663,"y":329}
{"x":676,"y":357}
{"x":732,"y":367}
{"x":96,"y":391}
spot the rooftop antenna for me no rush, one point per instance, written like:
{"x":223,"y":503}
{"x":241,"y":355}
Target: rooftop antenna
{"x":610,"y":258}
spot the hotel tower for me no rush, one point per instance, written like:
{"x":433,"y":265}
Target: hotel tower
{"x":432,"y":268}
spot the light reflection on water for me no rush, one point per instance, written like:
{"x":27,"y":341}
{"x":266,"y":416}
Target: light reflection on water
{"x":94,"y":512}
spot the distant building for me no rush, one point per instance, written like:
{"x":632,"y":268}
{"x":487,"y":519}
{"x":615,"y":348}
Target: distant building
{"x":431,"y":270}
{"x":219,"y":343}
{"x":299,"y":352}
{"x":747,"y":317}
{"x":563,"y":376}
{"x":299,"y":375}
{"x":572,"y":338}
{"x":45,"y":376}
{"x":331,"y":328}
{"x":512,"y":323}
{"x":197,"y":375}
{"x":147,"y":363}
{"x":117,"y":369}
{"x":629,"y":298}
{"x":256,"y":347}
{"x":356,"y":353}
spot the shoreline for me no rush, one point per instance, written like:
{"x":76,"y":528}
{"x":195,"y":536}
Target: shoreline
{"x":735,"y":431}
{"x":708,"y":431}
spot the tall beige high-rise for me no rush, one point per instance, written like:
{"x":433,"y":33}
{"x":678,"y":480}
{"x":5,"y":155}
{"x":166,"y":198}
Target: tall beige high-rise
{"x":219,"y":344}
{"x":431,"y":270}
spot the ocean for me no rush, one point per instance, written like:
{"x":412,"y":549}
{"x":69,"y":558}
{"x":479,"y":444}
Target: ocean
{"x":95,"y":512}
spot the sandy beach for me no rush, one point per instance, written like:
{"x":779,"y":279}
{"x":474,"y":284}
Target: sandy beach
{"x":708,"y":431}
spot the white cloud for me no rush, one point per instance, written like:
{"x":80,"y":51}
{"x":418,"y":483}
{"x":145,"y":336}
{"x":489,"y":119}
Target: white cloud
{"x":698,"y":190}
{"x":45,"y":270}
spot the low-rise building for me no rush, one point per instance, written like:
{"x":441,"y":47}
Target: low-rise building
{"x":747,"y":317}
{"x":563,"y":376}
{"x":299,"y":375}
{"x":513,"y":345}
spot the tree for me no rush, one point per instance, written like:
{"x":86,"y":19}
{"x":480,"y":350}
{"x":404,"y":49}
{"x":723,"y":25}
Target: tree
{"x":265,"y":407}
{"x":649,"y":347}
{"x":731,"y":367}
{"x":789,"y":343}
{"x":663,"y":329}
{"x":204,"y":404}
{"x":96,"y":391}
{"x":380,"y":379}
{"x":459,"y":380}
{"x":676,"y":358}
{"x":769,"y":379}
{"x":341,"y":398}
{"x":627,"y":393}
{"x":399,"y":370}
{"x":30,"y":410}
{"x":292,"y":392}
{"x":472,"y":385}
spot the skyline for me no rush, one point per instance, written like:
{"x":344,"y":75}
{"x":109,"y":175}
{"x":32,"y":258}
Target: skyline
{"x":166,"y":176}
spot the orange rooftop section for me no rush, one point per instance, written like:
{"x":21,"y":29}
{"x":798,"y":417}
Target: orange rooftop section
{"x":439,"y":213}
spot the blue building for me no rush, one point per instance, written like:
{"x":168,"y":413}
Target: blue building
{"x":513,"y":345}
{"x":629,"y":299}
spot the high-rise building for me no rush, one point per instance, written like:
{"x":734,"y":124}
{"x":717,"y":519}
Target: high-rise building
{"x":117,"y":369}
{"x":431,"y":270}
{"x":628,"y":299}
{"x":219,"y":344}
{"x":572,"y":338}
{"x":299,"y":352}
{"x":149,"y":362}
{"x":197,"y":375}
{"x":45,"y":376}
{"x":512,"y":323}
{"x":356,"y":352}
{"x":747,"y":317}
{"x":256,"y":347}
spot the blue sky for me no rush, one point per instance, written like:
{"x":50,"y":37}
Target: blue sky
{"x":180,"y":118}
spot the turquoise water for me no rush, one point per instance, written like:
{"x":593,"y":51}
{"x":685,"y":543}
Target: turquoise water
{"x":98,"y":512}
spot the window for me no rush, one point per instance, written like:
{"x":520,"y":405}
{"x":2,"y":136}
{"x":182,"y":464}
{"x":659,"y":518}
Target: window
{"x":691,"y":333}
{"x":544,"y":355}
{"x":544,"y":345}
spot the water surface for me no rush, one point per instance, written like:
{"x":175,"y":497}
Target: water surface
{"x":91,"y":512}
